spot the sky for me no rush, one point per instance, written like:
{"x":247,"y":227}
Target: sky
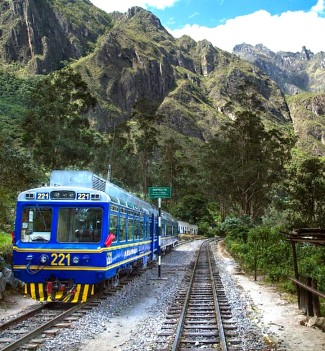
{"x":281,"y":25}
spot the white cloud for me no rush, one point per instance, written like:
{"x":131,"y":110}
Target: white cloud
{"x":319,"y":7}
{"x":286,"y":32}
{"x":124,"y":5}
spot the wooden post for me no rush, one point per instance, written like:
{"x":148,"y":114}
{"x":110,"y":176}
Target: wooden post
{"x":295,"y":265}
{"x":310,"y":310}
{"x":316,"y":304}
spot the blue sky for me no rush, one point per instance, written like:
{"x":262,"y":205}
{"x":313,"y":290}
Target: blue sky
{"x":281,"y":25}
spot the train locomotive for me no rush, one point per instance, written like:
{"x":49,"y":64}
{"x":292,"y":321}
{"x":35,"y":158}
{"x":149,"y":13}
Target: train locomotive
{"x":82,"y":232}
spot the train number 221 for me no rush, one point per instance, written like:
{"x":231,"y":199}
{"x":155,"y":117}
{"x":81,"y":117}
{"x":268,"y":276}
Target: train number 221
{"x":60,"y":259}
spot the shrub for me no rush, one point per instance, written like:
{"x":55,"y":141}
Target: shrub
{"x":261,"y":250}
{"x":5,"y":245}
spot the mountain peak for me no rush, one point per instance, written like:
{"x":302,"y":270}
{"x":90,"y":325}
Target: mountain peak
{"x":137,"y":11}
{"x":294,"y":72}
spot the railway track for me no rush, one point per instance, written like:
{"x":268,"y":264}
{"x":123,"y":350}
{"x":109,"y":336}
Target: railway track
{"x":200,"y":317}
{"x":32,"y":329}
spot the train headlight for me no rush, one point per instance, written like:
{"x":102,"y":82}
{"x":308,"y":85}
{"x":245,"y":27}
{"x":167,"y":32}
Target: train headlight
{"x":43,"y":259}
{"x":75,"y":260}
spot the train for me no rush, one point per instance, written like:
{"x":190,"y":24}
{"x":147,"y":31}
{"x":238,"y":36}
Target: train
{"x":81,"y":233}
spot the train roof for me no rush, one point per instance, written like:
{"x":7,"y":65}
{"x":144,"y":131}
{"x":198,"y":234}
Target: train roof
{"x":90,"y":180}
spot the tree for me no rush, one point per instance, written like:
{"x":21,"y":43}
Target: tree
{"x":17,"y":173}
{"x":193,"y":209}
{"x":144,"y":135}
{"x":243,"y":163}
{"x":55,"y":127}
{"x":306,"y":190}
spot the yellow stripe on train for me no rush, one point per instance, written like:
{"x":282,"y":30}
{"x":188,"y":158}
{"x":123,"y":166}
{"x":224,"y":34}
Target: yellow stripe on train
{"x":38,"y":292}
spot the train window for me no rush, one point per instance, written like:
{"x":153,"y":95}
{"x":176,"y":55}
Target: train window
{"x":136,"y":227}
{"x":122,"y":228}
{"x":113,"y":224}
{"x":114,"y":208}
{"x":36,"y":224}
{"x":148,"y":228}
{"x":130,"y":228}
{"x":169,"y":229}
{"x":155,"y":228}
{"x":141,"y":228}
{"x":79,"y":224}
{"x":122,"y":202}
{"x":163,"y":228}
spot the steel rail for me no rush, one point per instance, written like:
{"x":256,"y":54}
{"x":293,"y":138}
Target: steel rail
{"x":13,"y":346}
{"x":181,"y":321}
{"x":223,"y":343}
{"x":185,"y":306}
{"x":20,"y":318}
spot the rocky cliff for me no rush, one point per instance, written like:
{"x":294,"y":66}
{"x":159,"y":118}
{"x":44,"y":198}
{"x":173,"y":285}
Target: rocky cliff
{"x":308,"y":114}
{"x":293,"y":72}
{"x":43,"y":35}
{"x":302,"y":75}
{"x":195,"y":84}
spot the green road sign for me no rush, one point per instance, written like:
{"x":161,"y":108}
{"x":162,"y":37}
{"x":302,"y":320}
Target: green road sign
{"x":163,"y":192}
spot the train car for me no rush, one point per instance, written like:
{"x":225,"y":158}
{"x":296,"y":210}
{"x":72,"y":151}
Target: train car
{"x":187,"y":228}
{"x":82,"y":232}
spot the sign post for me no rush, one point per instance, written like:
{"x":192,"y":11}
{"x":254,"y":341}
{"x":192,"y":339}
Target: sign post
{"x":159,"y":237}
{"x":159,"y":193}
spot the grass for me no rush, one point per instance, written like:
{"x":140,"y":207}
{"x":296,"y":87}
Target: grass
{"x":5,"y":244}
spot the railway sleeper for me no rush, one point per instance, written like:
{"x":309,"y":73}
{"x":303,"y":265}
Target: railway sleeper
{"x":196,"y":341}
{"x":226,"y":317}
{"x":175,"y":309}
{"x":51,"y":332}
{"x":63,"y":325}
{"x":210,"y":321}
{"x":200,"y":334}
{"x":231,"y":333}
{"x":225,"y":309}
{"x":229,"y":326}
{"x":196,"y":307}
{"x":38,"y":341}
{"x":18,"y":331}
{"x":30,"y":347}
{"x":167,"y":333}
{"x":200,"y":326}
{"x":6,"y":340}
{"x":169,"y":325}
{"x":200,"y":314}
{"x":201,"y":298}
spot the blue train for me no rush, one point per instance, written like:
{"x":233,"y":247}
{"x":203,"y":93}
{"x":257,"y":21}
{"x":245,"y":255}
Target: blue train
{"x":82,"y":232}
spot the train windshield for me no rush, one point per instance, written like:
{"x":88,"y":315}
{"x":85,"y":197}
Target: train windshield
{"x":79,"y":224}
{"x":36,"y":224}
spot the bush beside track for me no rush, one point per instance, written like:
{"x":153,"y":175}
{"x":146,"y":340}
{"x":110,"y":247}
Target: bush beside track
{"x":5,"y":245}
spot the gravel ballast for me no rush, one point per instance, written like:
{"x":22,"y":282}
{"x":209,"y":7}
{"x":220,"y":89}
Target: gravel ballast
{"x":131,"y":319}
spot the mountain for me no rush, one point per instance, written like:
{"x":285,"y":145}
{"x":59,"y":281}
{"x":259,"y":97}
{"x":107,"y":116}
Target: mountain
{"x":293,"y":72}
{"x":302,"y":75}
{"x":195,"y":84}
{"x":43,"y":35}
{"x":126,"y":57}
